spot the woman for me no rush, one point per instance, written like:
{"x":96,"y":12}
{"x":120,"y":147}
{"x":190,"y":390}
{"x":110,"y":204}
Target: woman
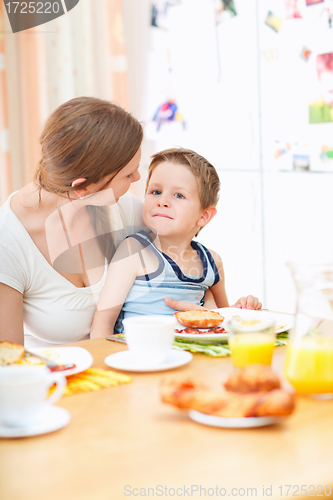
{"x":57,"y":234}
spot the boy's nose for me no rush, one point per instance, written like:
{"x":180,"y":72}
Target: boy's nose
{"x":164,"y":202}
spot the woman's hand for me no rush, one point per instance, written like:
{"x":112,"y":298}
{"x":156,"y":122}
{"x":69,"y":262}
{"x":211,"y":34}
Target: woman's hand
{"x":248,"y":302}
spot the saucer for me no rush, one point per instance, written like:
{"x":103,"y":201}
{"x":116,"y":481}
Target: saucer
{"x":53,"y":418}
{"x":124,"y":360}
{"x":234,"y":423}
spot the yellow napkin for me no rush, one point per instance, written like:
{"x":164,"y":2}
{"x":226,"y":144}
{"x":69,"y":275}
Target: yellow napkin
{"x":94,"y":379}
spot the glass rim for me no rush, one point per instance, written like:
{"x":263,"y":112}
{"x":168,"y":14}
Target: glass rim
{"x":253,"y":325}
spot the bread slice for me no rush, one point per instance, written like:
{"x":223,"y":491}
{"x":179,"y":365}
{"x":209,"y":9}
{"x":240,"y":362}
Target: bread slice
{"x":10,"y":353}
{"x":199,"y":318}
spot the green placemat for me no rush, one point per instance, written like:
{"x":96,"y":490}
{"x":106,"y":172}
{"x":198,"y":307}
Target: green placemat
{"x":220,"y":349}
{"x":209,"y":349}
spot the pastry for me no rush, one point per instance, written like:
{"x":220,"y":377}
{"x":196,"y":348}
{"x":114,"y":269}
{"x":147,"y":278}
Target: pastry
{"x":10,"y":353}
{"x":199,"y":318}
{"x":253,"y":378}
{"x":254,"y":392}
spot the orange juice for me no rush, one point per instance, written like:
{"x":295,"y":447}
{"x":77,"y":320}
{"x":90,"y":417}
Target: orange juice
{"x":251,"y":347}
{"x":309,"y":365}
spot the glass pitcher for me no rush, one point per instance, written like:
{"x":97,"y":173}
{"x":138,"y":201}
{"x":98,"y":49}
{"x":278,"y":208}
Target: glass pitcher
{"x":309,"y":359}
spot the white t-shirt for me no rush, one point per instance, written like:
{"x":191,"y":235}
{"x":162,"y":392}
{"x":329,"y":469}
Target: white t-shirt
{"x":54,"y":310}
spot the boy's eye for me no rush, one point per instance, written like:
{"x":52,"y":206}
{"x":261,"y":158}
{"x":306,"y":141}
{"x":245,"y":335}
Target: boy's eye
{"x":179,"y":195}
{"x":156,"y":191}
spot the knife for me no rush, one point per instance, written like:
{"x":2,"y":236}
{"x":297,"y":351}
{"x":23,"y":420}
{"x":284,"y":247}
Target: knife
{"x":115,"y":339}
{"x":49,"y":362}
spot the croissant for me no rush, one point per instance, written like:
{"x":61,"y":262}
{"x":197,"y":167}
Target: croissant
{"x":179,"y":390}
{"x":188,"y":393}
{"x":277,"y":402}
{"x":206,"y":401}
{"x":253,"y":378}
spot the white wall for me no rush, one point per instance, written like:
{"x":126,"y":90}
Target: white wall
{"x":236,"y":103}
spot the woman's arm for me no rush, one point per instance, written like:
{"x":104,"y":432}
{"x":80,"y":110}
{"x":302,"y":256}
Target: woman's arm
{"x":125,"y":266}
{"x":11,"y":314}
{"x":122,"y":271}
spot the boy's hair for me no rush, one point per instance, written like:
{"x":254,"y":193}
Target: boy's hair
{"x":207,"y":178}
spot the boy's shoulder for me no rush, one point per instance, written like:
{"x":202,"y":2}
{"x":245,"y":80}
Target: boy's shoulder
{"x":136,"y":242}
{"x":214,"y":254}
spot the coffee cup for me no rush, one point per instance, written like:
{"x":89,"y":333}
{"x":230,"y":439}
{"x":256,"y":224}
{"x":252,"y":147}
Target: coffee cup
{"x":24,"y":394}
{"x":149,"y":338}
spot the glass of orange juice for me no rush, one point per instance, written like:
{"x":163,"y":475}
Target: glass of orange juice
{"x":309,"y":359}
{"x":309,"y":365}
{"x":251,"y":340}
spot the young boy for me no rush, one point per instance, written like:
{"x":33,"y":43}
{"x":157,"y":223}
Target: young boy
{"x":163,"y":264}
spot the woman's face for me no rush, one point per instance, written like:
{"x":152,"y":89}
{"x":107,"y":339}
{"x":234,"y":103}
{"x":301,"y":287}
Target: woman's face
{"x":115,"y":186}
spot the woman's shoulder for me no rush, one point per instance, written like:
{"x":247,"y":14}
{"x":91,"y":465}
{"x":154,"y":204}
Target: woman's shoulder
{"x":5,"y":207}
{"x":8,"y":220}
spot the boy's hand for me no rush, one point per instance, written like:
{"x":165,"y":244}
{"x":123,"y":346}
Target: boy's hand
{"x":248,"y":302}
{"x":182,"y":306}
{"x":179,"y":305}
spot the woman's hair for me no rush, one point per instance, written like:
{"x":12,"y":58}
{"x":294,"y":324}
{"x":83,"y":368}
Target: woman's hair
{"x":207,"y":178}
{"x":87,"y":138}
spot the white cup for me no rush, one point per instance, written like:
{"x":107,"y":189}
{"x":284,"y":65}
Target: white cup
{"x":150,"y":338}
{"x":23,"y":394}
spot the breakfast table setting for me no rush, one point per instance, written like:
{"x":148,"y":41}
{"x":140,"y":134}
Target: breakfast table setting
{"x":120,"y":426}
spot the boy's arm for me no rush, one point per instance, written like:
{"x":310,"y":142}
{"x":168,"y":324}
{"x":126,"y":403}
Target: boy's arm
{"x":209,"y":301}
{"x":220,"y":295}
{"x":218,"y":290}
{"x":124,"y":267}
{"x":215,"y":296}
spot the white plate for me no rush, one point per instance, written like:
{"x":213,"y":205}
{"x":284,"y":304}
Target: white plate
{"x":124,"y":361}
{"x":285,"y":320}
{"x":71,"y":355}
{"x":53,"y":418}
{"x":233,"y":423}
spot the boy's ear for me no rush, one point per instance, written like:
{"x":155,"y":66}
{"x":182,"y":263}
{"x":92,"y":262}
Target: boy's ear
{"x":207,"y":216}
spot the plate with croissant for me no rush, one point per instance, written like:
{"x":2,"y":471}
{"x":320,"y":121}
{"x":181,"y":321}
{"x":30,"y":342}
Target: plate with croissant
{"x":251,"y":397}
{"x":204,"y":325}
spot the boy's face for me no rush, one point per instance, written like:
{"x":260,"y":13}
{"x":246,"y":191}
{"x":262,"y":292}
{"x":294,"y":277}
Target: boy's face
{"x":172,"y":206}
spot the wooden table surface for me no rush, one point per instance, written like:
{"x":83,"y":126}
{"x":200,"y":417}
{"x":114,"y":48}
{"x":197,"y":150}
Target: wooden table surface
{"x":124,"y":438}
